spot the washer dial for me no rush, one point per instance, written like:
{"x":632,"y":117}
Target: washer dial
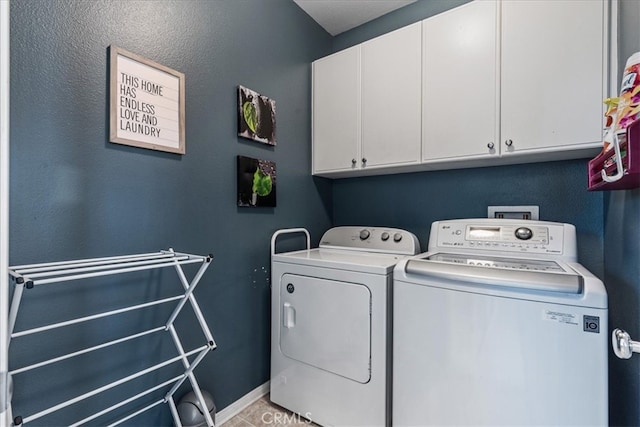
{"x":523,"y":233}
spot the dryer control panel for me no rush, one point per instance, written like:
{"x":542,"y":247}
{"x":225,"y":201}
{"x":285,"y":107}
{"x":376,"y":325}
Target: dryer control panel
{"x":504,"y":235}
{"x":371,"y":239}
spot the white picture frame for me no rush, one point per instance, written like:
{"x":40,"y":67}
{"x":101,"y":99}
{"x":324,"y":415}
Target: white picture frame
{"x":147,"y":103}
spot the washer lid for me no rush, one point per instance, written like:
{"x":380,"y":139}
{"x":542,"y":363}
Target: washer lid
{"x":556,"y":281}
{"x":350,"y":260}
{"x":536,"y":275}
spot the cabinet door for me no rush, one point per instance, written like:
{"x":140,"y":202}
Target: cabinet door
{"x":459,"y":83}
{"x":391,"y":98}
{"x":553,"y":74}
{"x":336,"y":111}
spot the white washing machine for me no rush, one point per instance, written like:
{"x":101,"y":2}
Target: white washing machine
{"x":330,"y":325}
{"x":497,"y":324}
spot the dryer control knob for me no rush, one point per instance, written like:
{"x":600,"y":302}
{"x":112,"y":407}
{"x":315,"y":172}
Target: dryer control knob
{"x":397,"y":237}
{"x":524,"y":233}
{"x":384,"y":236}
{"x":364,"y":234}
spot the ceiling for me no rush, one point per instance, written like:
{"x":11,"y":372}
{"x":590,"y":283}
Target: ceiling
{"x":337,"y":16}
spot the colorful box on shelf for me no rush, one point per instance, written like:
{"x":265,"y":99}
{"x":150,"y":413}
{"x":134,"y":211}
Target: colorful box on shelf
{"x":605,"y":172}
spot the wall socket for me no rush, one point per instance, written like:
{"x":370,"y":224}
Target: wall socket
{"x":514,"y":212}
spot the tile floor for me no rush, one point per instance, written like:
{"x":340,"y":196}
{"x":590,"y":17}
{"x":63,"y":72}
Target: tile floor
{"x":263,"y":413}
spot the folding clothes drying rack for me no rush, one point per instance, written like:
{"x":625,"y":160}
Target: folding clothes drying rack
{"x":28,"y":276}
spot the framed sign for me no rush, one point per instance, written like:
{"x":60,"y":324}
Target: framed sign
{"x":146,"y":103}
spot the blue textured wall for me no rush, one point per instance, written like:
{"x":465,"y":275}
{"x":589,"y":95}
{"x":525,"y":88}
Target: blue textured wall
{"x":75,"y":195}
{"x":622,"y":278}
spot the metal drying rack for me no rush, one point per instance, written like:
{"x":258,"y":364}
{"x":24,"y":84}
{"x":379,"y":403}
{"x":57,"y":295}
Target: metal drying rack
{"x":28,"y":276}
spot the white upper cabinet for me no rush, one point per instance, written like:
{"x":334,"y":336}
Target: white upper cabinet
{"x":487,"y":83}
{"x":336,"y":111}
{"x":553,"y":77}
{"x":367,"y":103}
{"x":391,"y":98}
{"x":459,"y":56}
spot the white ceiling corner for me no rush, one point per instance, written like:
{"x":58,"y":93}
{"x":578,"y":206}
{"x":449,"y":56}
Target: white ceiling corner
{"x":337,"y":16}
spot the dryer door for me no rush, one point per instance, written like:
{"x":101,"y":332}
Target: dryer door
{"x":327,"y":324}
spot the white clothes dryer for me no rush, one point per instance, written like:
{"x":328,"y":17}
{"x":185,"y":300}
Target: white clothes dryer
{"x":498,"y":325}
{"x":330,"y":325}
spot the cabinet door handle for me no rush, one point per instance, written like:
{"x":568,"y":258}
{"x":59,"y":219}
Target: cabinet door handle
{"x":490,"y":145}
{"x":354,"y":161}
{"x":364,"y":160}
{"x":508,"y":143}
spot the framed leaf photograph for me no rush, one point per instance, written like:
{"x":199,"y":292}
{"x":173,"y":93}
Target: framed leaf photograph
{"x":256,"y":182}
{"x":256,"y":116}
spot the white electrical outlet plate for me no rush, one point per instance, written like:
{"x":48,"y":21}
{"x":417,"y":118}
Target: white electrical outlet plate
{"x":514,"y":212}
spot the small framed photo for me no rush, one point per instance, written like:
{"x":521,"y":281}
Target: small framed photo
{"x":256,"y":182}
{"x":146,"y":103}
{"x":256,"y":116}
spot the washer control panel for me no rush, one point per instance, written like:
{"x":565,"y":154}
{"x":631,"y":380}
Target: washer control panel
{"x":507,"y":234}
{"x":504,"y":235}
{"x":371,"y":239}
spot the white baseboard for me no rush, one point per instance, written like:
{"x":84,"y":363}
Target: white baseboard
{"x":236,"y":407}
